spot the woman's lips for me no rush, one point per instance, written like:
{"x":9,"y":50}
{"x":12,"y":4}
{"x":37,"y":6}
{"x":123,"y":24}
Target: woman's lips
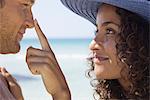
{"x":99,"y":59}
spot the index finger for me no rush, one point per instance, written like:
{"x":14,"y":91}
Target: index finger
{"x":43,"y":40}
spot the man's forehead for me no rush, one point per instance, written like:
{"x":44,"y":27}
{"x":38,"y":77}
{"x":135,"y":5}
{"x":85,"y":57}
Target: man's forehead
{"x":29,"y":1}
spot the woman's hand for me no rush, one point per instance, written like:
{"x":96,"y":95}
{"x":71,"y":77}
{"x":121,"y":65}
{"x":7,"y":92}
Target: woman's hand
{"x":11,"y":84}
{"x":43,"y":62}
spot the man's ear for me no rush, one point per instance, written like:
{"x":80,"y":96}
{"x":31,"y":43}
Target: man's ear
{"x":2,"y":3}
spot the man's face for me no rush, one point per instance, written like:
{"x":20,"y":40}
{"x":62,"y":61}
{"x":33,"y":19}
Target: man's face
{"x":15,"y":17}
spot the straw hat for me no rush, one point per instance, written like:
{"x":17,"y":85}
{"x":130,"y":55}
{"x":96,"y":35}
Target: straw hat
{"x":88,"y":8}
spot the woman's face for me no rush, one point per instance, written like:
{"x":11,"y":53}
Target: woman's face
{"x":103,"y":46}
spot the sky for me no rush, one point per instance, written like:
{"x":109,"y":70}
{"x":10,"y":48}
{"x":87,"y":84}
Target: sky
{"x":57,"y":21}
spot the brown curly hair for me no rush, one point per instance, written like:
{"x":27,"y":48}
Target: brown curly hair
{"x":132,"y":50}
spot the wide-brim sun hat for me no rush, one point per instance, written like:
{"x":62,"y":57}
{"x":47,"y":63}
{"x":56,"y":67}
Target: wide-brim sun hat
{"x":88,"y":8}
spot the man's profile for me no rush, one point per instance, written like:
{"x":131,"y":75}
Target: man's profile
{"x":15,"y":18}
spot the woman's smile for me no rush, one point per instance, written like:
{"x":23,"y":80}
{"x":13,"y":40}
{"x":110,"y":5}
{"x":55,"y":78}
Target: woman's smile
{"x":98,"y":59}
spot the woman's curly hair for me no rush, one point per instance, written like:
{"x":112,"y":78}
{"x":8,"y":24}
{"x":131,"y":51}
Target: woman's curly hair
{"x":132,"y":50}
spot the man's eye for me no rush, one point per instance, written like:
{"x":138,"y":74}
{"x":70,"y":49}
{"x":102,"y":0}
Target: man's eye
{"x":25,"y":5}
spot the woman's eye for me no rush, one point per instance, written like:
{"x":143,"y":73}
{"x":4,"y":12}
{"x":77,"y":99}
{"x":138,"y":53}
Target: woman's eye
{"x":110,"y":31}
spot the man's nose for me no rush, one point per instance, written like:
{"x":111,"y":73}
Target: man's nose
{"x":29,"y":22}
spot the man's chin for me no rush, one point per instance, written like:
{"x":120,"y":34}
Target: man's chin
{"x":9,"y":52}
{"x":12,"y":51}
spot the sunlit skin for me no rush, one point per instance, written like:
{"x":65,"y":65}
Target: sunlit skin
{"x":106,"y":62}
{"x":16,"y":17}
{"x":14,"y":89}
{"x":104,"y":45}
{"x":43,"y":62}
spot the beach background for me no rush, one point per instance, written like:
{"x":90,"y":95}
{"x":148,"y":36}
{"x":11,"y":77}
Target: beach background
{"x":71,"y":55}
{"x":69,"y":36}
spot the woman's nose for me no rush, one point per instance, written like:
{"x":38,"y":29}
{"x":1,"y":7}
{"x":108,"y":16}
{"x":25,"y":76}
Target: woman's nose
{"x":94,"y":45}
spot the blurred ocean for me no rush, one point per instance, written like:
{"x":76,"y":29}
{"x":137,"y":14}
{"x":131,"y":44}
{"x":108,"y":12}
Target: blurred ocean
{"x":71,"y":55}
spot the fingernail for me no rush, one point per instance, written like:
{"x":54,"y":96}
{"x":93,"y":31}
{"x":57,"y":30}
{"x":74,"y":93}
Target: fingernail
{"x":35,"y":20}
{"x":3,"y":70}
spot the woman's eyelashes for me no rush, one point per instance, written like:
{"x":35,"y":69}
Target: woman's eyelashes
{"x":110,"y":31}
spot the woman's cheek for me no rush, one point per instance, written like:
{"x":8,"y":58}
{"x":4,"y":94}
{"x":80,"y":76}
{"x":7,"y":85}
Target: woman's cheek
{"x":110,"y":47}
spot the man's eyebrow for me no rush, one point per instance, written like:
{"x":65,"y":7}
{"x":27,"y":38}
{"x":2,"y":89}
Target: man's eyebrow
{"x":30,"y":1}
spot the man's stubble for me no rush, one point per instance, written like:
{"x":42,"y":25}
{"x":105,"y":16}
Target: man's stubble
{"x":7,"y":36}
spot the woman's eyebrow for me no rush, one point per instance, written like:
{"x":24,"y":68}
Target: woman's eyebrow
{"x":109,"y":22}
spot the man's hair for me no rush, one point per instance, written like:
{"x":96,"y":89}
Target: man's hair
{"x":133,"y":50}
{"x":2,"y":3}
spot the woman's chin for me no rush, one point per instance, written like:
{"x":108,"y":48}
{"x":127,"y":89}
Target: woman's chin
{"x":99,"y":70}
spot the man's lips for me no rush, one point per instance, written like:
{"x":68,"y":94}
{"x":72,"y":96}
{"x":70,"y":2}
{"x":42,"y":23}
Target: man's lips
{"x":20,"y":35}
{"x":22,"y":30}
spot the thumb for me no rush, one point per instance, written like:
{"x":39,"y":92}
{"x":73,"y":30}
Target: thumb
{"x":12,"y":84}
